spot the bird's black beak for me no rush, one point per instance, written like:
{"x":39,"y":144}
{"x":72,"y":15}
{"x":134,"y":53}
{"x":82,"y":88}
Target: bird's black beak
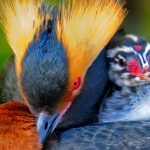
{"x":46,"y":124}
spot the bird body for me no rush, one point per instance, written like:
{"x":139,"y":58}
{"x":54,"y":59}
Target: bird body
{"x":114,"y":136}
{"x":132,"y":107}
{"x":17,"y":128}
{"x":128,"y":61}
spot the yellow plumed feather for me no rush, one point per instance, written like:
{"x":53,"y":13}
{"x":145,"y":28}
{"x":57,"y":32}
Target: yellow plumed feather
{"x":21,"y":21}
{"x":85,"y":27}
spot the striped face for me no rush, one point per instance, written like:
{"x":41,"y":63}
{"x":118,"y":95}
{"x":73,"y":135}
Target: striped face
{"x":129,"y":61}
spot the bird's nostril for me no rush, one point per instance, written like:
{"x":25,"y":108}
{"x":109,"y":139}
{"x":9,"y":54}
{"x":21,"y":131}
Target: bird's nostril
{"x":46,"y":125}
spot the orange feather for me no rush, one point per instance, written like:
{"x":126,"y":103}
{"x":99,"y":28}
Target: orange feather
{"x":17,"y":128}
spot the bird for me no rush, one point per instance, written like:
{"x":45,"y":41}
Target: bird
{"x":128,"y":99}
{"x":53,"y":50}
{"x":17,"y":127}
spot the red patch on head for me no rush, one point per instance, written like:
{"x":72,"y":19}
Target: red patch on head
{"x":138,"y":48}
{"x":134,"y":67}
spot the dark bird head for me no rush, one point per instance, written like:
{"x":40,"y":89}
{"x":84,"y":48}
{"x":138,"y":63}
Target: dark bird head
{"x":54,"y":51}
{"x":129,"y":61}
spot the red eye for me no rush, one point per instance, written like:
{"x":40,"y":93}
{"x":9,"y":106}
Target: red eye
{"x":76,"y":84}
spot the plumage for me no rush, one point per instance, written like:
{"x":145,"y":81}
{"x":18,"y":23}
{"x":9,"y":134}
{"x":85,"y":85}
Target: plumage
{"x":114,"y":136}
{"x":129,"y":71}
{"x":54,"y":51}
{"x":17,"y":128}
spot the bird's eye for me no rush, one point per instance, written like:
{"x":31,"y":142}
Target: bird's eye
{"x":122,"y":62}
{"x":76,"y":84}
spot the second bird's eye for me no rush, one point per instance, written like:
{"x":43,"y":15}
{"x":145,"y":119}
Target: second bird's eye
{"x":122,"y":62}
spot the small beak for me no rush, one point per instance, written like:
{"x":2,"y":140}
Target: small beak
{"x":46,"y":124}
{"x":143,"y":77}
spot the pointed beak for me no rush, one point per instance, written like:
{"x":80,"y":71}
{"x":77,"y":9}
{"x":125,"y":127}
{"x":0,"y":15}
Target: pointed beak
{"x":144,"y":78}
{"x":46,"y":124}
{"x":142,"y":75}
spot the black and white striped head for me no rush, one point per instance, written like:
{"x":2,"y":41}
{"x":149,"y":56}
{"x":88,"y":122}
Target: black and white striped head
{"x":129,"y":61}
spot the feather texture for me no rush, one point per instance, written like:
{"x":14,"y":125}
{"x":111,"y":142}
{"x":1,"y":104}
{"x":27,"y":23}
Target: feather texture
{"x":17,"y":127}
{"x":85,"y":27}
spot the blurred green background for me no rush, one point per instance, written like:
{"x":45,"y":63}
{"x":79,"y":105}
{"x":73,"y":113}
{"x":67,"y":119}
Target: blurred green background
{"x":137,"y":22}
